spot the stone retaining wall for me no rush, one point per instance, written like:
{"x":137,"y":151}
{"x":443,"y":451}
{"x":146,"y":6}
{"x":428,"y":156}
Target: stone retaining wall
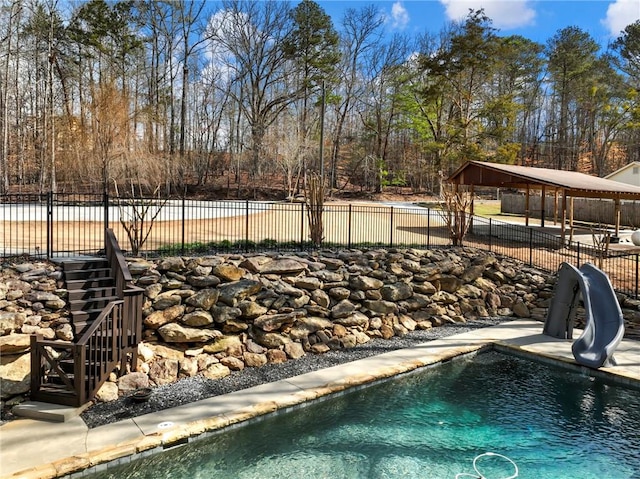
{"x":213,"y":315}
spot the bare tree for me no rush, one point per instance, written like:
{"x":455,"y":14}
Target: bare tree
{"x":455,"y":203}
{"x":248,"y":36}
{"x":138,"y":214}
{"x":314,"y":194}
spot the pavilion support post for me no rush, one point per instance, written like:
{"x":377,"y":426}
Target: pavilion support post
{"x":571,"y":219}
{"x":555,"y":206}
{"x":471,"y":209}
{"x":543,"y":196}
{"x":564,"y":215}
{"x":617,"y":216}
{"x":526,"y":206}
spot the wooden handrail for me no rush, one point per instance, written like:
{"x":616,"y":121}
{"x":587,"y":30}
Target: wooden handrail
{"x":86,"y":336}
{"x":110,"y":339}
{"x":116,"y":261}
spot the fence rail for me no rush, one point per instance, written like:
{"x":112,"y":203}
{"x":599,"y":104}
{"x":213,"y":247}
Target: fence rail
{"x":59,"y":225}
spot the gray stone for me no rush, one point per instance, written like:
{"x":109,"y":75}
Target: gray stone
{"x":164,"y":371}
{"x":343,"y":309}
{"x":305,"y":326}
{"x":175,"y":333}
{"x":228,"y":272}
{"x":281,"y":287}
{"x":223,"y":314}
{"x":171,"y":264}
{"x":381,"y":307}
{"x":222,"y":344}
{"x":162,"y":317}
{"x":132,"y":381}
{"x":294,"y":350}
{"x":283,"y":266}
{"x":396,"y":292}
{"x":15,"y":343}
{"x":197,"y":318}
{"x":521,"y":310}
{"x":204,"y":281}
{"x":216,"y":371}
{"x":275,"y":322}
{"x":234,"y":364}
{"x":365,"y":283}
{"x":166,"y":300}
{"x":270,"y":340}
{"x":357,"y":319}
{"x":339,"y":293}
{"x":64,"y":332}
{"x":251,"y":309}
{"x":14,"y":374}
{"x":308,"y":282}
{"x":232,"y":293}
{"x":107,"y":392}
{"x":254,"y":360}
{"x":320,"y":298}
{"x":204,"y":299}
{"x":328,"y":276}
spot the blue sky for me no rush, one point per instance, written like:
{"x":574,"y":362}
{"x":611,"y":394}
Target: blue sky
{"x":537,"y":20}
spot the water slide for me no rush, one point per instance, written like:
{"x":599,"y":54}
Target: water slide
{"x":604,"y":323}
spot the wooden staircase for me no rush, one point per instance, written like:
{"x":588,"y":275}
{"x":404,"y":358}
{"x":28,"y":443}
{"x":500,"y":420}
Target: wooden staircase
{"x":91,"y":287}
{"x":106,"y":314}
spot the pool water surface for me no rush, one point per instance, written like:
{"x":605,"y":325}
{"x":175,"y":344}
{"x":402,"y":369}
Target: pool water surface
{"x":551,"y":422}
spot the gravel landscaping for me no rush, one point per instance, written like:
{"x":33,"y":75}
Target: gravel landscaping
{"x":196,"y":388}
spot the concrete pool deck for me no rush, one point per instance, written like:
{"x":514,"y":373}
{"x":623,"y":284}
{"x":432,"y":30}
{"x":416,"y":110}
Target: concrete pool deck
{"x":42,"y":449}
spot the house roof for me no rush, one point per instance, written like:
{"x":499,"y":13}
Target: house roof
{"x":625,"y":167}
{"x":481,"y":173}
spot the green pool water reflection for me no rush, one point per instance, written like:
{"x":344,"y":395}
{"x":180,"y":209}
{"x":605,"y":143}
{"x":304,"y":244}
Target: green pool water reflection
{"x":553,"y":423}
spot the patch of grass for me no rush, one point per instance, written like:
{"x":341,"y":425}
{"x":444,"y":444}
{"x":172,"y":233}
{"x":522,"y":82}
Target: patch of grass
{"x":486,"y":209}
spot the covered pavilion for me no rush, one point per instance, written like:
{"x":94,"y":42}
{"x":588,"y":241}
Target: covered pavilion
{"x":564,"y":184}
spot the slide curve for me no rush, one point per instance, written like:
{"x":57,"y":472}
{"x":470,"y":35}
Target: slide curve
{"x":604,"y":323}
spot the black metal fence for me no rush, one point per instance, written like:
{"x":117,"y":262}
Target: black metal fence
{"x":59,"y":225}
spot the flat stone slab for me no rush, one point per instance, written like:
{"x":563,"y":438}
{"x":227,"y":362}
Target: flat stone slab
{"x":47,"y":412}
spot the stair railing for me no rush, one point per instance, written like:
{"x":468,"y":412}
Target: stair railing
{"x":94,"y":355}
{"x":112,"y":338}
{"x":132,"y":297}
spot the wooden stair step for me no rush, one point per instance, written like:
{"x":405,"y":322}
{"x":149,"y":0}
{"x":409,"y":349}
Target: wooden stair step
{"x":90,"y":283}
{"x":88,"y":263}
{"x":87,"y":274}
{"x":91,"y":303}
{"x":91,"y":293}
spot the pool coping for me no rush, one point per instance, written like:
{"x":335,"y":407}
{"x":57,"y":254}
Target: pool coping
{"x":36,"y":449}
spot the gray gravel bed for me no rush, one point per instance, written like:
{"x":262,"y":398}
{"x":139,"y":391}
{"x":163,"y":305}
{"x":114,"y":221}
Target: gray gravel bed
{"x":196,"y":388}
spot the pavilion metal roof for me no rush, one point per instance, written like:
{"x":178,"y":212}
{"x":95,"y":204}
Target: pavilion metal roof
{"x":481,"y":173}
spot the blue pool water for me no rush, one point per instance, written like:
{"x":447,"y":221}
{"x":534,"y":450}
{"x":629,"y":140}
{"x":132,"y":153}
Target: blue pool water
{"x":553,"y":423}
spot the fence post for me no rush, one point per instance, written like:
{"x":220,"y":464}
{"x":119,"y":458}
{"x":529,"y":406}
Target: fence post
{"x":302,"y":225}
{"x":349,"y":228}
{"x":530,"y":247}
{"x":246,"y":225}
{"x":391,"y":232}
{"x":428,"y":228}
{"x":105,"y":203}
{"x":490,"y":236}
{"x":49,"y":225}
{"x":637,"y":256}
{"x":578,"y":254}
{"x":182,"y":233}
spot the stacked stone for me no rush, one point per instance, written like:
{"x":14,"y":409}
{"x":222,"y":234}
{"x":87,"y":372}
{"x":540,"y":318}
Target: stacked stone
{"x":31,"y":301}
{"x":213,"y":315}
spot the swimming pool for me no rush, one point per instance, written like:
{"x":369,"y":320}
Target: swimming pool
{"x":552,"y":422}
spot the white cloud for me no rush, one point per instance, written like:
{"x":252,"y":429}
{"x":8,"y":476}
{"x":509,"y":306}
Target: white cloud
{"x":505,"y":14}
{"x":399,"y":15}
{"x":620,"y":14}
